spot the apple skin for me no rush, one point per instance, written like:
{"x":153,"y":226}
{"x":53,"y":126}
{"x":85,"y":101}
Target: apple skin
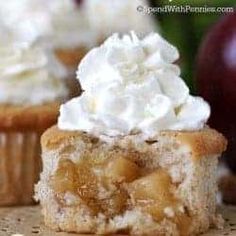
{"x":216,"y":80}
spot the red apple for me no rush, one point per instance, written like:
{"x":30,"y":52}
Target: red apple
{"x":216,"y":80}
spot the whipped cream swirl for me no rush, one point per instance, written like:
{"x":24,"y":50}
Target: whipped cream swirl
{"x":30,"y":75}
{"x":132,"y":86}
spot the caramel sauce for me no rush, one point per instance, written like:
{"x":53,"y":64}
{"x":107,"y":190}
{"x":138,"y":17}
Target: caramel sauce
{"x":151,"y":192}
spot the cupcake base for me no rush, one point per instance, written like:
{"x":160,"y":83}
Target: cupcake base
{"x":20,"y":165}
{"x":20,"y":160}
{"x":129,"y":184}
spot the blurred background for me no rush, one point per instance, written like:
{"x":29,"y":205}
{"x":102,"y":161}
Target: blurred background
{"x":187,"y":31}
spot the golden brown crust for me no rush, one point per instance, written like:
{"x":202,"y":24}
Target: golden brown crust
{"x":71,"y":57}
{"x":54,"y":137}
{"x":204,"y":142}
{"x":28,"y":118}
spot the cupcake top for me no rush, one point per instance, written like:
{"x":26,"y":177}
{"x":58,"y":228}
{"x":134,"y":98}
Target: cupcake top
{"x":58,"y":24}
{"x":107,"y":17}
{"x":132,"y":86}
{"x":30,"y":75}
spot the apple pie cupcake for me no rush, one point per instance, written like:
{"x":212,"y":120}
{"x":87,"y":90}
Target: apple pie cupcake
{"x":31,"y":90}
{"x":132,"y":154}
{"x":60,"y":25}
{"x":73,"y":27}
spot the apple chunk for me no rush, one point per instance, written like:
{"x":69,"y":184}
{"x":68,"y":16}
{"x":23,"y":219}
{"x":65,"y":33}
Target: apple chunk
{"x":121,"y":169}
{"x":152,"y":193}
{"x":154,"y":186}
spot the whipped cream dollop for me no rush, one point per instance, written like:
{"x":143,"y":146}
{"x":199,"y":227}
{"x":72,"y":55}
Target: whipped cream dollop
{"x":30,"y":75}
{"x":54,"y":23}
{"x":132,"y":86}
{"x":107,"y":17}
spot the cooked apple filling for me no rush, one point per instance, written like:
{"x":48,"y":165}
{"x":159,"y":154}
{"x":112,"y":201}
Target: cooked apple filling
{"x":116,"y":185}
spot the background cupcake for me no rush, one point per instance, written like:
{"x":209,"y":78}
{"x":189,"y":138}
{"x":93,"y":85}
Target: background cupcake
{"x":31,"y":88}
{"x":72,"y":27}
{"x":60,"y":25}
